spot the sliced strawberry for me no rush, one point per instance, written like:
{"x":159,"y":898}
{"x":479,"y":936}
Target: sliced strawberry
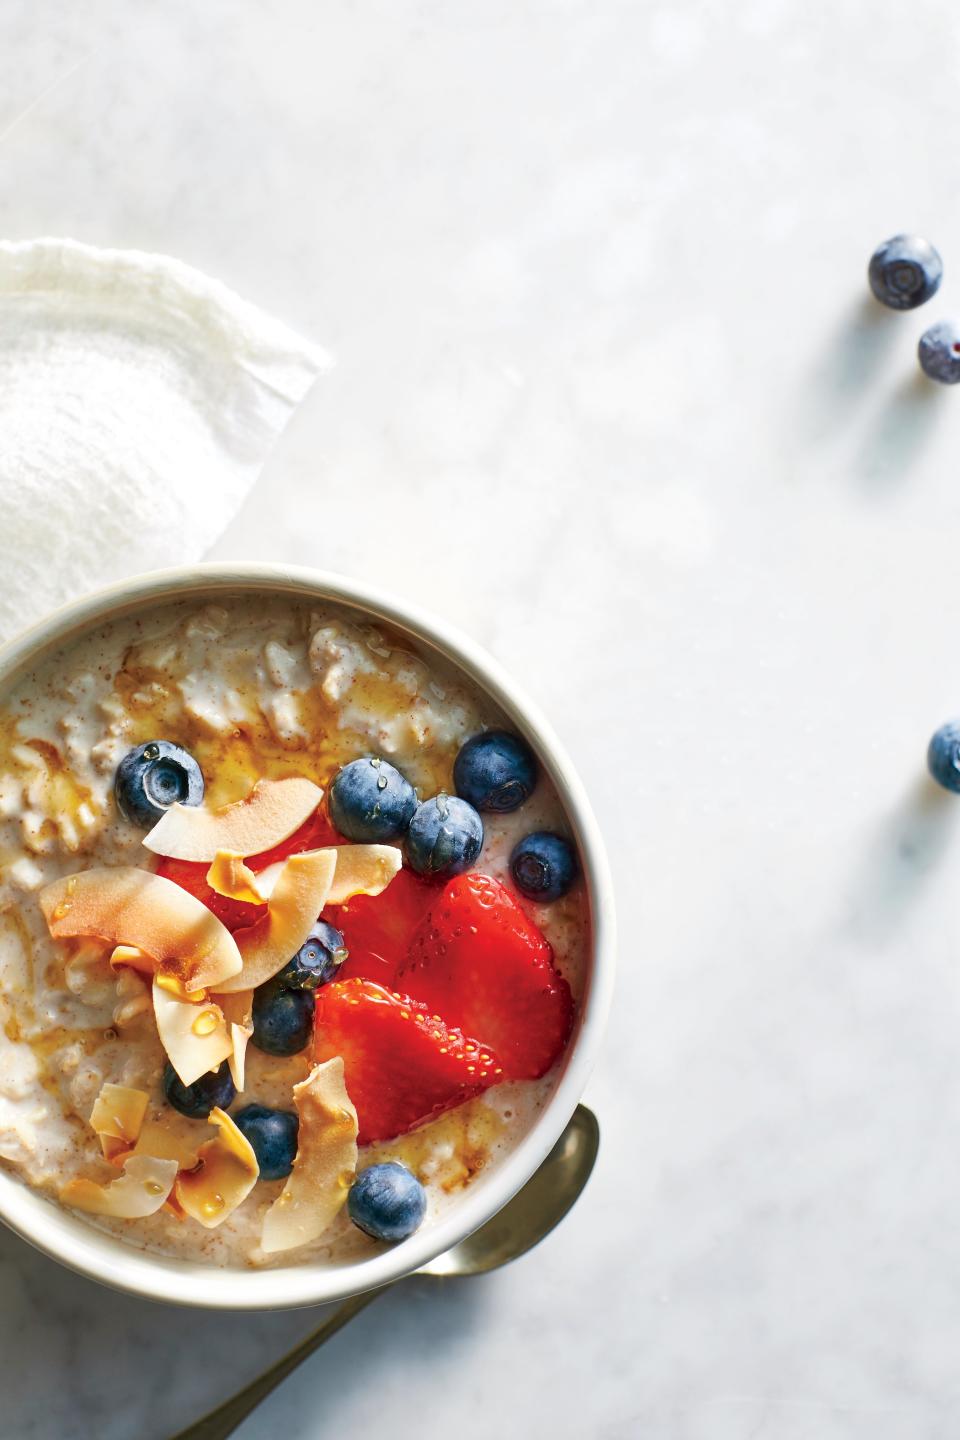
{"x":377,"y":929}
{"x":191,"y":875}
{"x":402,"y":1065}
{"x":478,"y":961}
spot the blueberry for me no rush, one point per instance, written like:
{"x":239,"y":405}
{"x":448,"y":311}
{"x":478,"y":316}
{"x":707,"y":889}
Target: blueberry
{"x":543,"y":865}
{"x":282,"y":1018}
{"x":939,"y":352}
{"x":273,"y":1135}
{"x":904,"y":272}
{"x":495,"y":771}
{"x":317,"y":961}
{"x":370,"y":801}
{"x":444,"y":838}
{"x":153,"y":777}
{"x":387,"y":1202}
{"x":943,"y":756}
{"x":197,"y":1100}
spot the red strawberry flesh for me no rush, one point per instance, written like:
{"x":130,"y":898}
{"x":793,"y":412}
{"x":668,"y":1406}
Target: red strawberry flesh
{"x":377,"y":929}
{"x":402,"y":1065}
{"x":477,"y":960}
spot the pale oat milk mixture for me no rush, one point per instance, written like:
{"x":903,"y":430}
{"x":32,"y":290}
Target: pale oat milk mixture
{"x":255,"y":688}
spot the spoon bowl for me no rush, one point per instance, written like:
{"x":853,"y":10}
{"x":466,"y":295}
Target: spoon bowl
{"x":535,"y":1210}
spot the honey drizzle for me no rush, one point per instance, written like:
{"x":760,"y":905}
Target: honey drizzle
{"x":470,"y":1131}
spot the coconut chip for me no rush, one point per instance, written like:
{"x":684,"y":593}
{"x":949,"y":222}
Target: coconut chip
{"x":132,"y":958}
{"x":170,"y":1136}
{"x":192,"y":1031}
{"x":117,"y":1117}
{"x":361,"y":870}
{"x":225,"y":1173}
{"x":326,"y":1161}
{"x":228,"y":875}
{"x":141,"y":1190}
{"x":298,"y":897}
{"x":136,"y":908}
{"x":272,"y":811}
{"x":238,"y":1013}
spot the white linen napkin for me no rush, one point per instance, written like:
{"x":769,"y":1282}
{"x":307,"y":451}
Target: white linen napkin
{"x":138,"y":401}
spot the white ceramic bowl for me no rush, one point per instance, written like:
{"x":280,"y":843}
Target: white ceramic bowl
{"x":109,"y":1260}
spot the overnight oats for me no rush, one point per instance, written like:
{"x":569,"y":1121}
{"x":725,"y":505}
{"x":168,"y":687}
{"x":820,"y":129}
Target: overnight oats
{"x":292,"y":932}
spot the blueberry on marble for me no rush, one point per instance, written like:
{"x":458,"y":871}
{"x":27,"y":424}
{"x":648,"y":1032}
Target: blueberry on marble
{"x":317,"y":961}
{"x":445,"y":837}
{"x":904,"y":272}
{"x":154,"y":776}
{"x":543,"y":866}
{"x":939,"y":352}
{"x":495,"y":771}
{"x":282,"y":1018}
{"x":371,"y":802}
{"x":387,"y":1201}
{"x":943,"y":756}
{"x":216,"y":1088}
{"x":273,"y":1136}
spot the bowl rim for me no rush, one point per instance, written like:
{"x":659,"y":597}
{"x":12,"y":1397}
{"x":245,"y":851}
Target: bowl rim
{"x":108,"y":1259}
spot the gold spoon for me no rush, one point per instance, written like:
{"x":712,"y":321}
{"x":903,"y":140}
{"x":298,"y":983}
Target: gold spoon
{"x":522,"y":1223}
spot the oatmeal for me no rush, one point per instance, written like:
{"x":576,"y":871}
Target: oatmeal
{"x":282,"y":903}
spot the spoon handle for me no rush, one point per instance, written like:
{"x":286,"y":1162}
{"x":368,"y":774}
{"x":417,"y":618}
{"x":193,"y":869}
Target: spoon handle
{"x":224,"y":1420}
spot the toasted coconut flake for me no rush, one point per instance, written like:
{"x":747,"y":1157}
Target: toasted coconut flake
{"x":269,"y":814}
{"x":172,"y":1137}
{"x":115,"y":1151}
{"x":225,"y":1173}
{"x":325,"y":1165}
{"x":266,"y":880}
{"x":133,"y":959}
{"x":237,"y":1059}
{"x":363,"y":870}
{"x":117,"y":1117}
{"x":180,"y":990}
{"x":298,"y":897}
{"x":135,"y":908}
{"x":193,"y":1033}
{"x":228,"y":875}
{"x":238,"y":1013}
{"x":140,"y":1191}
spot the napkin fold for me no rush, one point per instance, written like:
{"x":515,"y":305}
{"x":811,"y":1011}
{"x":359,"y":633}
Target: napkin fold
{"x":138,"y":401}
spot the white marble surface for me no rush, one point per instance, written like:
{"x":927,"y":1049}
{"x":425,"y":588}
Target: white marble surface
{"x":610,"y":396}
